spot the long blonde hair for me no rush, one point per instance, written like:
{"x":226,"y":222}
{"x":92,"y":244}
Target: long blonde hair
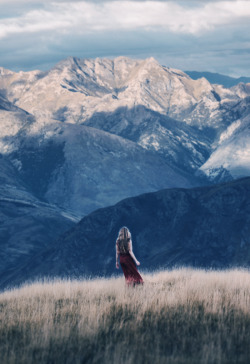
{"x":124,"y":237}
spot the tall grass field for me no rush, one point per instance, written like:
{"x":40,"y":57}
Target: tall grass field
{"x":181,"y":316}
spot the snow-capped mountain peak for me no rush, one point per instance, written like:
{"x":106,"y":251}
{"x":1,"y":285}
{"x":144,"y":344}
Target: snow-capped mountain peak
{"x":105,"y":85}
{"x":160,"y":108}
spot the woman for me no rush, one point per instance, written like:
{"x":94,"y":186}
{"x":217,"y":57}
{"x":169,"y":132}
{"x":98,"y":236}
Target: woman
{"x":127,"y":257}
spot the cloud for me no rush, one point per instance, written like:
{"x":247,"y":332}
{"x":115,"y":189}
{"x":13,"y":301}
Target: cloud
{"x":85,"y":16}
{"x":199,"y":35}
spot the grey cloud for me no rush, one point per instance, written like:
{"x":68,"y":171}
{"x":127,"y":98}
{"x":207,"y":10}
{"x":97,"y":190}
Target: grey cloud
{"x":178,"y":51}
{"x":82,"y":17}
{"x":221,"y":49}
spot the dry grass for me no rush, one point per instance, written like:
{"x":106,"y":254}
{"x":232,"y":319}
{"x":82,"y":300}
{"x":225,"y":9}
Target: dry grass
{"x":181,"y":316}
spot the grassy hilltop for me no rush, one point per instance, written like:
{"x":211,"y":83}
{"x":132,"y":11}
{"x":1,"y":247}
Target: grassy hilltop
{"x":181,"y":316}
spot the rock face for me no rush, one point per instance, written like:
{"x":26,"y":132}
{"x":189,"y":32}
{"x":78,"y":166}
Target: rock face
{"x":75,"y":89}
{"x":200,"y":227}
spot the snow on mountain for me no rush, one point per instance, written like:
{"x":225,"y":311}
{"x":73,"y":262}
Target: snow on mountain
{"x":180,"y":144}
{"x":242,"y":90}
{"x":232,"y":152}
{"x":75,"y":89}
{"x":12,"y":120}
{"x":158,"y":113}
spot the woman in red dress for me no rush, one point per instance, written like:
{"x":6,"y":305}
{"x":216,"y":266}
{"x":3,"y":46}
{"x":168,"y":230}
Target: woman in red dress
{"x":128,"y":260}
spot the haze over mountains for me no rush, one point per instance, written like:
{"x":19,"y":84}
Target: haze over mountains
{"x":217,"y":78}
{"x":89,"y":133}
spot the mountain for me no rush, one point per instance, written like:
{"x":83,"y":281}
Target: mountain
{"x":12,"y":119}
{"x":26,"y":224}
{"x":80,"y":168}
{"x":90,"y":132}
{"x":159,"y":108}
{"x":205,"y":227}
{"x":217,"y":78}
{"x":182,"y":145}
{"x":232,"y":152}
{"x":75,"y":89}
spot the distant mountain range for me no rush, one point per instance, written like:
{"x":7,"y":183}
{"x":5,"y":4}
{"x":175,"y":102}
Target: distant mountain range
{"x":217,"y":78}
{"x":206,"y":227}
{"x":91,"y":132}
{"x":180,"y":121}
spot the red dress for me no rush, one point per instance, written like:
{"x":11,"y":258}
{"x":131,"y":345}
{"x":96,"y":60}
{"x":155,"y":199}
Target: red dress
{"x":132,"y":276}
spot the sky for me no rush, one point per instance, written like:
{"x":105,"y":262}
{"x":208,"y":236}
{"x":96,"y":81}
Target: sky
{"x":200,"y":35}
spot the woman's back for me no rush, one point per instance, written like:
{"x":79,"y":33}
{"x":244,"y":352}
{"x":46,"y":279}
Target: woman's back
{"x":123,"y":245}
{"x":123,"y":240}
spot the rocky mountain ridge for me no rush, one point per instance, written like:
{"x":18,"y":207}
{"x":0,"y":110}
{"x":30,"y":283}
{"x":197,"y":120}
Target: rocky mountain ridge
{"x":129,"y":98}
{"x":133,"y":99}
{"x":103,"y":85}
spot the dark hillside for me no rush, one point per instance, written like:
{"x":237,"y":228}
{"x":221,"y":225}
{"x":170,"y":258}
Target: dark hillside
{"x":205,"y":227}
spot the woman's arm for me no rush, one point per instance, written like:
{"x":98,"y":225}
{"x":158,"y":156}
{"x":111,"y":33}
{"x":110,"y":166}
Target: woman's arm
{"x":130,"y":249}
{"x":117,"y":255}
